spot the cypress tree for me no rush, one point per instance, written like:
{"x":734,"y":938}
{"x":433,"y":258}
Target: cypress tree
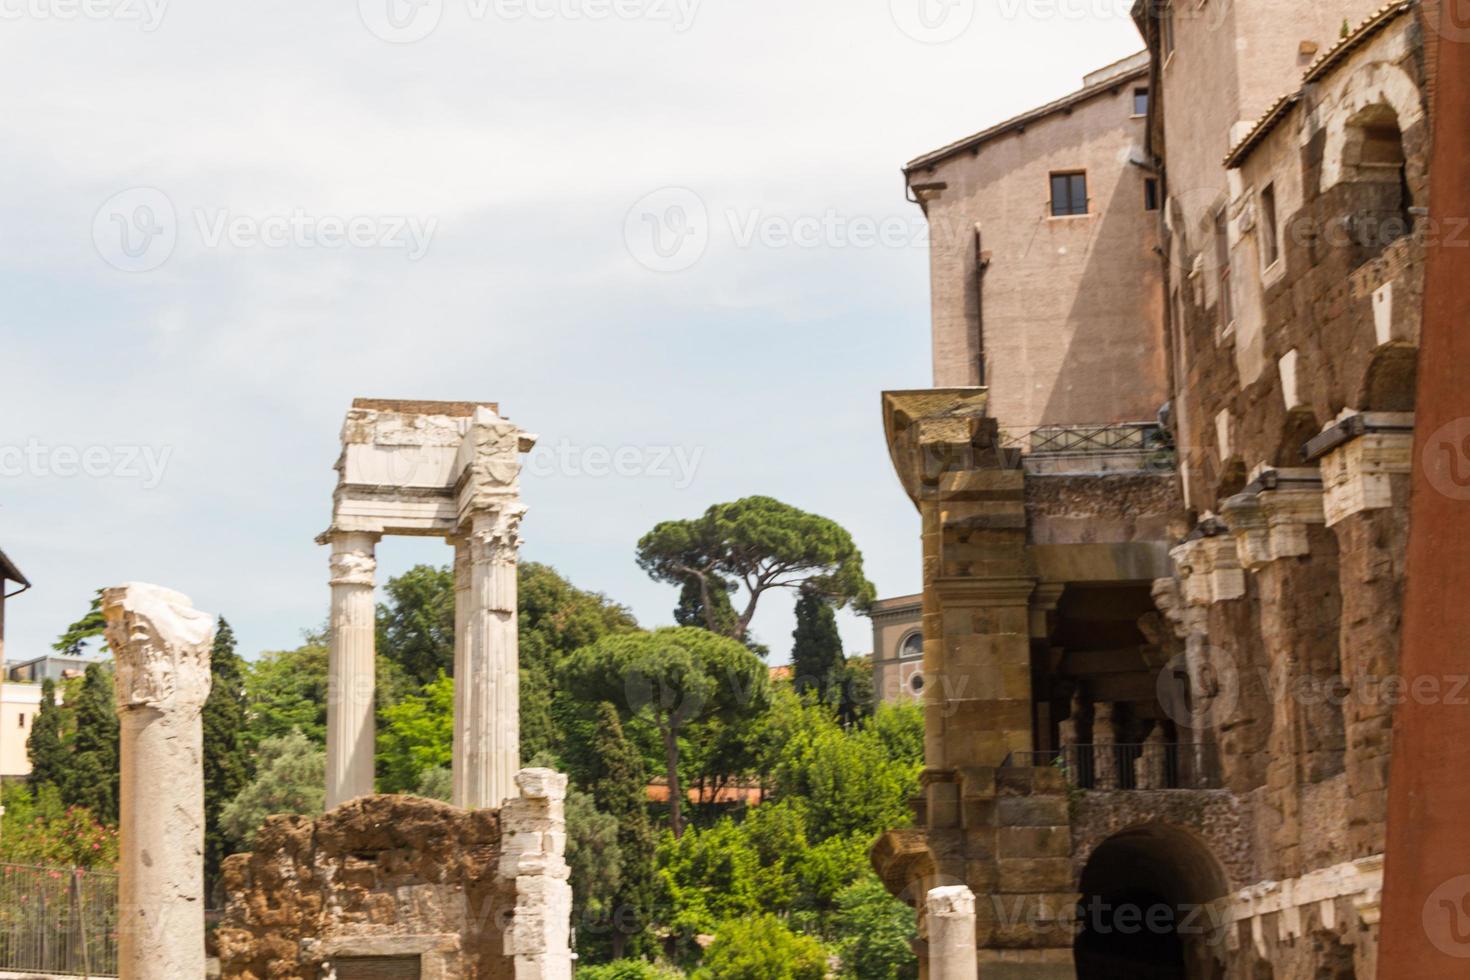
{"x":621,"y":791}
{"x":44,"y":745}
{"x":91,"y":780}
{"x":227,"y":761}
{"x":816,"y":653}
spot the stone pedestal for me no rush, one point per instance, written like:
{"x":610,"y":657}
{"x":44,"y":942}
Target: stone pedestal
{"x":351,"y":668}
{"x":950,"y":914}
{"x":487,"y":738}
{"x":161,"y":645}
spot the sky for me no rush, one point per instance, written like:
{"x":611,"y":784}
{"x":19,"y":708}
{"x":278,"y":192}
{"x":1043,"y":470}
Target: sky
{"x":669,"y":237}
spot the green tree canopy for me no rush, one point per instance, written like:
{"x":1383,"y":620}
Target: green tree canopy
{"x":91,"y":777}
{"x":290,"y":778}
{"x":73,"y":642}
{"x":228,"y":762}
{"x":44,"y":745}
{"x":673,"y":677}
{"x":762,"y":948}
{"x":416,"y":624}
{"x":816,"y":650}
{"x":620,"y":790}
{"x":417,"y":736}
{"x":761,"y":544}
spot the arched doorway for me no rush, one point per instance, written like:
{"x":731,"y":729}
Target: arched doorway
{"x":1143,"y":914}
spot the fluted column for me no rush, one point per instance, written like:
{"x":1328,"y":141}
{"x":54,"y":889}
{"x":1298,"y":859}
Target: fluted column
{"x":487,"y":735}
{"x":161,"y":646}
{"x":351,"y":681}
{"x":461,"y":659}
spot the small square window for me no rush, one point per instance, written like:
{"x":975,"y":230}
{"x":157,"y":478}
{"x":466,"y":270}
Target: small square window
{"x":22,"y":719}
{"x":1068,"y":194}
{"x":1151,"y":193}
{"x":1140,"y":102}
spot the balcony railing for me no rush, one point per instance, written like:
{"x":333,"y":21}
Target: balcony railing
{"x":1108,"y":437}
{"x":1147,"y":765}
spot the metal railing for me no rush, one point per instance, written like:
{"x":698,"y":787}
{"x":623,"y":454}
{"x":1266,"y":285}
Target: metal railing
{"x":1108,"y":437}
{"x":58,"y":921}
{"x":1148,"y":765}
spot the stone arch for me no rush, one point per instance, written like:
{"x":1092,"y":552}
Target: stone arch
{"x":1146,"y":893}
{"x":1391,"y":381}
{"x":1375,"y":90}
{"x":1299,"y":428}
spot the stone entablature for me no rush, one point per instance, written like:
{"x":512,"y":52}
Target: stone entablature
{"x":1271,"y":517}
{"x":1360,"y":455}
{"x":1281,"y":912}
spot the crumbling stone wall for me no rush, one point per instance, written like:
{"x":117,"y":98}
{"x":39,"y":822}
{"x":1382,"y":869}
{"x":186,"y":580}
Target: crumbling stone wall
{"x":458,"y":894}
{"x":380,"y":874}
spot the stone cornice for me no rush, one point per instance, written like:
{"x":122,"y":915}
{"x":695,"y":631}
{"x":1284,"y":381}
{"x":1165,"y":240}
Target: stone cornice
{"x":1270,"y":518}
{"x":1209,"y":569}
{"x":1360,"y":456}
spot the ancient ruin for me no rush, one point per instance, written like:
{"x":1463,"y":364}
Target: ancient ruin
{"x":402,"y":887}
{"x":1163,"y":516}
{"x":426,"y":468}
{"x":396,"y":886}
{"x":161,"y":644}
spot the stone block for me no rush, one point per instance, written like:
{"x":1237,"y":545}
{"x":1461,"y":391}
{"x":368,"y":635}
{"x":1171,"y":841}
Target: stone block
{"x":1038,"y":842}
{"x":1031,"y":875}
{"x":1033,"y":811}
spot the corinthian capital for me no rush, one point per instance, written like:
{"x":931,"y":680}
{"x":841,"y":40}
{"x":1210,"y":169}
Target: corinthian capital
{"x":161,"y":644}
{"x":495,"y":534}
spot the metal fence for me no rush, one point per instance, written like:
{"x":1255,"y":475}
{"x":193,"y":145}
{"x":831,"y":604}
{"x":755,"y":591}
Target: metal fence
{"x":58,"y":921}
{"x":1172,"y":765}
{"x":1109,"y":437}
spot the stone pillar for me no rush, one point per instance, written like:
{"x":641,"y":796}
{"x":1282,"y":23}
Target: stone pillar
{"x":461,"y":656}
{"x":1151,"y":768}
{"x":950,"y":916}
{"x":351,"y":683}
{"x":487,"y":728}
{"x":161,"y":646}
{"x":532,"y":848}
{"x":1104,"y":750}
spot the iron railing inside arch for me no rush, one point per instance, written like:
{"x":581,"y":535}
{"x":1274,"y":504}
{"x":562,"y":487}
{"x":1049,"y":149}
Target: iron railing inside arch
{"x":58,"y":921}
{"x":1128,"y":766}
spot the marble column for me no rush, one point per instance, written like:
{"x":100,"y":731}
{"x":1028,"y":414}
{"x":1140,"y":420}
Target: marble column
{"x":161,"y":646}
{"x":461,"y":658}
{"x":351,"y":682}
{"x":487,"y":725}
{"x":950,"y":918}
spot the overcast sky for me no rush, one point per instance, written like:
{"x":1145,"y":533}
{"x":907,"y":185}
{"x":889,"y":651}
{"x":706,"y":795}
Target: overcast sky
{"x":668,"y":236}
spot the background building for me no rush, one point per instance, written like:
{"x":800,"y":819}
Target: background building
{"x":898,"y":648}
{"x":18,"y":702}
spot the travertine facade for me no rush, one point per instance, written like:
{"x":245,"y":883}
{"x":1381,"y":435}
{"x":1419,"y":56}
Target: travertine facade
{"x":1161,"y":662}
{"x":161,"y":645}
